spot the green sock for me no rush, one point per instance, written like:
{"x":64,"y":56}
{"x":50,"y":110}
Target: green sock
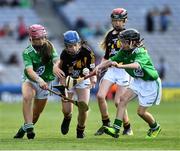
{"x":26,"y":126}
{"x":117,"y":124}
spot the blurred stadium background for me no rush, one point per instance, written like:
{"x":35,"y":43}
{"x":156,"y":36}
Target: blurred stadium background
{"x":159,"y":24}
{"x":158,"y":21}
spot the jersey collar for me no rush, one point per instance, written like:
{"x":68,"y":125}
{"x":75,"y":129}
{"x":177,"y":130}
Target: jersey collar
{"x":135,"y":50}
{"x":33,"y":49}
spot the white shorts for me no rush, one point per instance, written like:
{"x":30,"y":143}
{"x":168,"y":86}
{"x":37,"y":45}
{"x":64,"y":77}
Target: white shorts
{"x":84,"y":84}
{"x":40,"y":93}
{"x":118,"y":76}
{"x":148,"y":92}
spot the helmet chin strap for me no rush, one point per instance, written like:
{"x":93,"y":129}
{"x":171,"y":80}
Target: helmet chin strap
{"x":131,"y":45}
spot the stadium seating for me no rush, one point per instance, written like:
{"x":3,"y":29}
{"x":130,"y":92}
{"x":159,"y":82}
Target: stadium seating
{"x":97,"y":11}
{"x":159,"y":44}
{"x":11,"y":15}
{"x":10,"y":45}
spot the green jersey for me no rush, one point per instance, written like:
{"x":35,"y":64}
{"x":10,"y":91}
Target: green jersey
{"x":32,"y":58}
{"x":139,"y":55}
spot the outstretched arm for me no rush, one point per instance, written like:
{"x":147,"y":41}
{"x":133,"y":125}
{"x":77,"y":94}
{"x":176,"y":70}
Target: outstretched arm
{"x":103,"y":65}
{"x":57,"y":69}
{"x":134,"y":65}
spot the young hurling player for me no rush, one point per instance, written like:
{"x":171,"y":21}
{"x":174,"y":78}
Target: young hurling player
{"x":112,"y":45}
{"x":75,"y":60}
{"x":146,"y":84}
{"x":38,"y":58}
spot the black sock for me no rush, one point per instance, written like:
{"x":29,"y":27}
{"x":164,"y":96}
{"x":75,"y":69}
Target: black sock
{"x":68,"y":116}
{"x":154,"y":125}
{"x":106,"y":122}
{"x":80,"y":128}
{"x":126,"y":126}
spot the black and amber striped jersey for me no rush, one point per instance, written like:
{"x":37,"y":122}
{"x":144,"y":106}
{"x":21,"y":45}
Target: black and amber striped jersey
{"x":73,"y":65}
{"x":113,"y":44}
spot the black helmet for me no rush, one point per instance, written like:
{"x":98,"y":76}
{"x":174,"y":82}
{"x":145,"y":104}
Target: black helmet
{"x":119,"y":13}
{"x":130,"y":34}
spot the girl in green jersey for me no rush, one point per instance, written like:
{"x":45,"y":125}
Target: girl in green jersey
{"x":145,"y":85}
{"x":38,"y":58}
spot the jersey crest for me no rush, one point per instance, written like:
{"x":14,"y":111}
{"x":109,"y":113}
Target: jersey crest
{"x":40,"y":70}
{"x":138,"y":72}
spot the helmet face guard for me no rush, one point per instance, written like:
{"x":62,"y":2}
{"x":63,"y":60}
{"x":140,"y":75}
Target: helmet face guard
{"x":37,"y":31}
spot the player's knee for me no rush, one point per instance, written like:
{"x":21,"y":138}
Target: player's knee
{"x":27,"y":99}
{"x":122,"y":101}
{"x":67,"y":110}
{"x":101,"y":96}
{"x":116,"y":102}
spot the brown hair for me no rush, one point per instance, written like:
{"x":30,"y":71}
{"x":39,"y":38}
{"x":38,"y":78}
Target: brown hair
{"x":104,"y":42}
{"x":46,"y":52}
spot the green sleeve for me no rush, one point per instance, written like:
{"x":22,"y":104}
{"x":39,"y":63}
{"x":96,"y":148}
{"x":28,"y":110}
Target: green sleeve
{"x":27,"y":60}
{"x":142,"y":58}
{"x":150,"y":73}
{"x":117,"y":57}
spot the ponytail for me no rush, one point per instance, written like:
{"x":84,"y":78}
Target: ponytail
{"x":104,"y":43}
{"x":46,"y":52}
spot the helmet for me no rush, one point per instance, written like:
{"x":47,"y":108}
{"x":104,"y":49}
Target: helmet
{"x":37,"y":31}
{"x":119,"y":13}
{"x":71,"y":37}
{"x":130,"y":34}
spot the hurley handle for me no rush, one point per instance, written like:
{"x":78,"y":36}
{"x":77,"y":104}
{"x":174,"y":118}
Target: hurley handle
{"x":64,"y":97}
{"x":89,"y":75}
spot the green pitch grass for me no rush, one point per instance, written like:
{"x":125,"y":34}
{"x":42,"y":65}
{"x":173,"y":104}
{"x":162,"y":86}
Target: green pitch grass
{"x":48,"y":136}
